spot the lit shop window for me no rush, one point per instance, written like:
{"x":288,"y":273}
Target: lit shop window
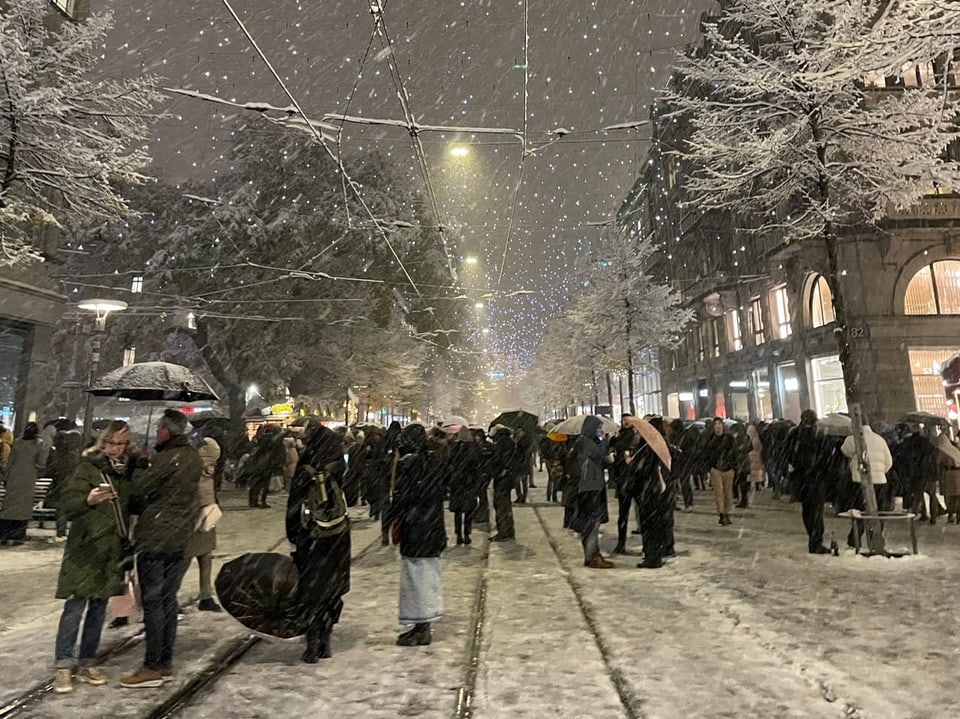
{"x":734,"y":335}
{"x":821,"y":303}
{"x":780,"y":312}
{"x":756,"y":321}
{"x":70,"y":8}
{"x":129,"y":356}
{"x":934,"y":290}
{"x":925,"y":366}
{"x":136,"y":286}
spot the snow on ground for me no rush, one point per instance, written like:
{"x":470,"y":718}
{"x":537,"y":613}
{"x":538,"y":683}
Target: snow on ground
{"x":744,"y":623}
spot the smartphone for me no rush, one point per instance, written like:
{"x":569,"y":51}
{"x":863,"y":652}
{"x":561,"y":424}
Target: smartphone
{"x":105,"y":486}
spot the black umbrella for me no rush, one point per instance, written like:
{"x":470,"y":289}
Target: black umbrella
{"x":517,"y":419}
{"x":260,"y":592}
{"x":154,"y":381}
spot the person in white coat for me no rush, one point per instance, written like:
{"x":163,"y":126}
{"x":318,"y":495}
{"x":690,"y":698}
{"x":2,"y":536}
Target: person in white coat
{"x":878,"y":454}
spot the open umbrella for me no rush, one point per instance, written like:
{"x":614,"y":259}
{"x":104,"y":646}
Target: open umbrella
{"x":260,"y":591}
{"x":454,"y":420}
{"x":652,"y":437}
{"x":835,"y":425}
{"x":574,"y":425}
{"x":517,"y":419}
{"x":154,"y":381}
{"x":924,"y":418}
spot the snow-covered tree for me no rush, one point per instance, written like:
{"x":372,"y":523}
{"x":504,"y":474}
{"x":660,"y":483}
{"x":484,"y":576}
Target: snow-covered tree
{"x":791,"y":133}
{"x":621,"y":310}
{"x":68,"y":137}
{"x":287,"y":286}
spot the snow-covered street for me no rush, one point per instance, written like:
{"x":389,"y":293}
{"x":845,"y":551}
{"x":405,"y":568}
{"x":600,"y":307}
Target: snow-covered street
{"x":743,"y":623}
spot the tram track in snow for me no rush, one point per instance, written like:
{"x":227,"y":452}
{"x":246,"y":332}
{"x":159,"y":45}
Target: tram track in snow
{"x":628,"y":699}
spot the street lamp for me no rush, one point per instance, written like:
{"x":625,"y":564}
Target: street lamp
{"x":470,"y":260}
{"x":101,"y":309}
{"x":459,"y":151}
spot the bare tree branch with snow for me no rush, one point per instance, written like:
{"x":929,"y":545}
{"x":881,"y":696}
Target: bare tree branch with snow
{"x":67,"y":137}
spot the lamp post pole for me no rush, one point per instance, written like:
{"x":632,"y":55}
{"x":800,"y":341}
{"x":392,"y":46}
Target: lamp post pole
{"x":102,"y":308}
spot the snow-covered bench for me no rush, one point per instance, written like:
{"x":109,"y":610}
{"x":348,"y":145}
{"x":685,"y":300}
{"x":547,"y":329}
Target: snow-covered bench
{"x":855,"y":515}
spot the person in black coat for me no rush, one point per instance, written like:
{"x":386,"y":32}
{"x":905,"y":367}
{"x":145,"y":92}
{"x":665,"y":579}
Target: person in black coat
{"x":623,"y":445}
{"x":485,"y":464}
{"x":464,"y":483}
{"x":418,"y":508}
{"x":324,"y":564}
{"x":266,"y":461}
{"x":808,"y":451}
{"x":503,"y":465}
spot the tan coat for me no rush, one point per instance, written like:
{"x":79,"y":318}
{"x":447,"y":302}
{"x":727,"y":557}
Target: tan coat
{"x":204,"y":542}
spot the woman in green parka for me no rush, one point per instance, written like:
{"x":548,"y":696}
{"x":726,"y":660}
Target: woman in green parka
{"x":90,"y":571}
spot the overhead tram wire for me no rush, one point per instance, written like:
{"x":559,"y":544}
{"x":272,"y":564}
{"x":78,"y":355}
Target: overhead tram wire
{"x":380,"y":27}
{"x":523,"y":139}
{"x":319,"y":138}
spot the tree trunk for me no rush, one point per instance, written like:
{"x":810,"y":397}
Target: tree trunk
{"x":851,"y":376}
{"x":609,"y":392}
{"x":630,"y":404}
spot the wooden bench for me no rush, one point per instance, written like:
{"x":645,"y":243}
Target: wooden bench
{"x":855,"y":515}
{"x":41,"y":512}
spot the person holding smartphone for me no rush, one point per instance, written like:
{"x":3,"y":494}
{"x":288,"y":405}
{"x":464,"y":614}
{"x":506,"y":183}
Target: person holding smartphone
{"x":91,"y":571}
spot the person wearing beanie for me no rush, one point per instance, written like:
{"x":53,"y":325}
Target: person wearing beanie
{"x":168,"y":504}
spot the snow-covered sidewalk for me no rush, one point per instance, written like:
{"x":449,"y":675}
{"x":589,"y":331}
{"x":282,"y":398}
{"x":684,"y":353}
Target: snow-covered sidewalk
{"x":744,"y":623}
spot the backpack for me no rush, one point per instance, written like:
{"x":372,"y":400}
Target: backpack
{"x":324,"y":512}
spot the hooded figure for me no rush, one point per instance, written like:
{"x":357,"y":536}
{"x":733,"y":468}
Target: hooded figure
{"x":323,"y":563}
{"x":418,"y":508}
{"x":464,"y":483}
{"x":504,"y":481}
{"x":590,"y":510}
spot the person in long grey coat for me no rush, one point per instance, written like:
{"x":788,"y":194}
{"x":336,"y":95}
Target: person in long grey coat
{"x":590,"y":509}
{"x":26,"y":457}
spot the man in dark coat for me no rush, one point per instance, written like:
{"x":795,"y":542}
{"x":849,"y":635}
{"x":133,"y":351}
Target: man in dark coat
{"x":623,"y":445}
{"x":502,"y":462}
{"x":485,"y":462}
{"x":386,"y":454}
{"x":807,"y":452}
{"x":323,"y":563}
{"x":166,"y":495}
{"x":464,"y":483}
{"x":590,"y":510}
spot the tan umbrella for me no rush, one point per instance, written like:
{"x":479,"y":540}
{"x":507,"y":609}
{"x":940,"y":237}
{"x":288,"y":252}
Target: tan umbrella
{"x":652,"y":437}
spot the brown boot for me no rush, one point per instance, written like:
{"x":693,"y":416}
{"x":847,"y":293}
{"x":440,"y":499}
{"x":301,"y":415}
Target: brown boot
{"x":599,"y":562}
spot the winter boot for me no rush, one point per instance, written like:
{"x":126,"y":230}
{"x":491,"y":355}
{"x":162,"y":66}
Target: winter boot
{"x":417,"y":637}
{"x":620,"y":548}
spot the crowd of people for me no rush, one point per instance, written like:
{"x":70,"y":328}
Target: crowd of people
{"x":120,"y":507}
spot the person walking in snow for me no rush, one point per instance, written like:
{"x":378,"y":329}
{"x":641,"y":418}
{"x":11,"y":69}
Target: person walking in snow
{"x":418,"y":509}
{"x":323,"y":562}
{"x":90,"y":571}
{"x":722,"y":457}
{"x":807,"y":452}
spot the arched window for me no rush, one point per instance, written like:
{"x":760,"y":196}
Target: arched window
{"x":934,"y":290}
{"x":821,"y":303}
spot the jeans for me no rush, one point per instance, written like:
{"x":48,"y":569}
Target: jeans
{"x":159,"y":574}
{"x":812,"y":510}
{"x":69,"y":627}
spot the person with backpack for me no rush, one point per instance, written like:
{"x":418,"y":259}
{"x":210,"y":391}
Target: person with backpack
{"x":319,"y":529}
{"x":418,"y":510}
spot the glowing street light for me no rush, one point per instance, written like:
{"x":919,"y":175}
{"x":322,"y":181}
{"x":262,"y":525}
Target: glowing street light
{"x":101,"y":309}
{"x":459,"y":151}
{"x":470,"y":260}
{"x":479,"y":305}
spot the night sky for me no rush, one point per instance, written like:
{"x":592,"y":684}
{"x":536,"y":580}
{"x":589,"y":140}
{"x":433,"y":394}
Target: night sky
{"x":590,"y":65}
